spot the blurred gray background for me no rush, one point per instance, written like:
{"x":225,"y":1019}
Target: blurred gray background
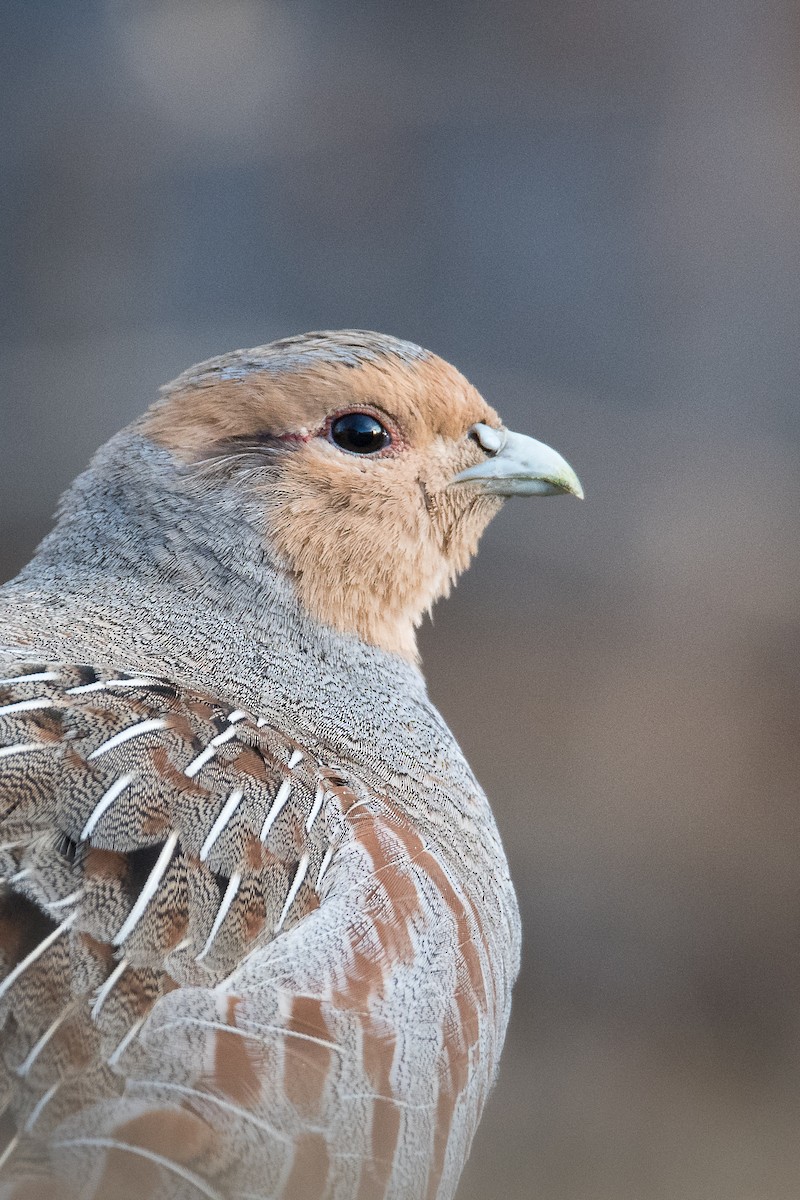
{"x":591,"y":207}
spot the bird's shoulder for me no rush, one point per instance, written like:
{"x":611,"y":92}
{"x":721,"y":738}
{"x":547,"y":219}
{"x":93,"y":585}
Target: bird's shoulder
{"x":158,"y":819}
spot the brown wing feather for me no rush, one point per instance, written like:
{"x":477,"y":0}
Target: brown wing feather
{"x":228,"y":968}
{"x":132,"y":861}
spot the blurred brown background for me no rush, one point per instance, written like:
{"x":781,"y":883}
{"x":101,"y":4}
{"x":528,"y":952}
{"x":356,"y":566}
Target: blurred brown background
{"x":591,"y":206}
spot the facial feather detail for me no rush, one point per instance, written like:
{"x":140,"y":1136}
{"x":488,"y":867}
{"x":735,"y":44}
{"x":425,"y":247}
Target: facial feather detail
{"x":371,"y":541}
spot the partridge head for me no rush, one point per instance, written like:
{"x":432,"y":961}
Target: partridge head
{"x":369,"y":467}
{"x":257,"y":936}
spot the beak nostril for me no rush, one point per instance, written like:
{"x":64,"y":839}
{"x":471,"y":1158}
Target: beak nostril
{"x":489,"y":439}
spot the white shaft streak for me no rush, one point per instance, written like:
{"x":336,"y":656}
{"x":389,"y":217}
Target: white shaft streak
{"x":323,"y":866}
{"x":6,"y":710}
{"x":196,"y":763}
{"x":206,"y":755}
{"x":222,"y":912}
{"x":278,"y":803}
{"x":9,"y":1150}
{"x":250,"y":1033}
{"x":35,"y":1050}
{"x":65,"y":901}
{"x":236,"y":1110}
{"x":148,"y":890}
{"x":282,"y":1031}
{"x":107,"y":799}
{"x":22,"y":748}
{"x":225,"y":736}
{"x":299,"y":876}
{"x":114,"y":1058}
{"x":125,"y":735}
{"x":104,"y":685}
{"x":37,"y":952}
{"x":151,"y":1156}
{"x":38,"y":1107}
{"x":319,"y":796}
{"x":36,"y":677}
{"x":296,"y":758}
{"x":105,"y":989}
{"x":224,"y":816}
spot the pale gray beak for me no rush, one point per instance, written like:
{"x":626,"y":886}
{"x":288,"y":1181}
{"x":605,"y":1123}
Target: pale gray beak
{"x":518,"y":466}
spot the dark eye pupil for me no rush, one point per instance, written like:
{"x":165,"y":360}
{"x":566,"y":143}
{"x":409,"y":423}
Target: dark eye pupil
{"x":359,"y":433}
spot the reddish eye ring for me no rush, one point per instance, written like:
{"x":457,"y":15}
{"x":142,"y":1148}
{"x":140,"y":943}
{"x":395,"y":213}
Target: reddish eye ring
{"x":359,"y":433}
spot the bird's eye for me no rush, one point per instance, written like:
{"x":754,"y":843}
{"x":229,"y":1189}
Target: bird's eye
{"x":359,"y":433}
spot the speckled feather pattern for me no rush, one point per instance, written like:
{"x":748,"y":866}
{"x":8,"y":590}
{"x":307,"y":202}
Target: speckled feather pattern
{"x":292,"y":908}
{"x":257,"y":934}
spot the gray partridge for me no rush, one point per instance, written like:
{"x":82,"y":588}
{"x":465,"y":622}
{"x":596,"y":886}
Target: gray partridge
{"x":257,"y":932}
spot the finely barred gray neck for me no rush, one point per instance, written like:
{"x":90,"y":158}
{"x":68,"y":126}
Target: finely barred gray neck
{"x":137,"y":514}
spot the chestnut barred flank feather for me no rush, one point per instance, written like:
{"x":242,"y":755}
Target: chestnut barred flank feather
{"x":257,"y":935}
